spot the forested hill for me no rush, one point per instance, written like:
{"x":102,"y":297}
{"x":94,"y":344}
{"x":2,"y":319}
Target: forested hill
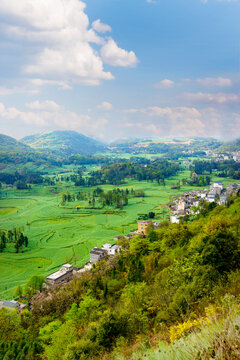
{"x":15,"y":155}
{"x":9,"y":144}
{"x":178,"y":279}
{"x":63,"y":143}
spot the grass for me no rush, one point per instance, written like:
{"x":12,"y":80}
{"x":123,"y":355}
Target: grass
{"x":7,"y":211}
{"x":219,"y":339}
{"x":59,"y":234}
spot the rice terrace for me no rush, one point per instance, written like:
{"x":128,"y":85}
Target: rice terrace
{"x":59,"y":234}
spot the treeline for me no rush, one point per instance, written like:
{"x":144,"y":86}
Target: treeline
{"x":24,"y":157}
{"x":25,"y":178}
{"x":116,"y":197}
{"x":117,"y":173}
{"x":227,"y":168}
{"x":15,"y":237}
{"x":88,"y":160}
{"x":158,"y":281}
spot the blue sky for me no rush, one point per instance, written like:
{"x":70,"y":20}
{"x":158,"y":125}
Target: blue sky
{"x":120,"y":68}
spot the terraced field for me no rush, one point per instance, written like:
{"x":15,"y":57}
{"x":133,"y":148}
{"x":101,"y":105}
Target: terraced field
{"x":59,"y":234}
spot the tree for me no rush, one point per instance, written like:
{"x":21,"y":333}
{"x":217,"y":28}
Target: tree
{"x":151,"y":215}
{"x":35,"y":283}
{"x":18,"y":292}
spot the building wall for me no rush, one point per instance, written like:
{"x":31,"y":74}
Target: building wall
{"x":142,"y":227}
{"x":63,"y":278}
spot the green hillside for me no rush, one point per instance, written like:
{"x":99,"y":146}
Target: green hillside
{"x":9,"y":144}
{"x":173,"y":294}
{"x":63,"y":143}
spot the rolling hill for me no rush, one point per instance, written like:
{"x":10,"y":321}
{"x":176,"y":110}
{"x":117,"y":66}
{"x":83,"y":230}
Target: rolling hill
{"x":63,"y":143}
{"x":9,"y":144}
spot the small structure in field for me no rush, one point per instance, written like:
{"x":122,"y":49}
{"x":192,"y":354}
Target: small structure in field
{"x":12,"y":305}
{"x":62,"y":275}
{"x":9,"y":304}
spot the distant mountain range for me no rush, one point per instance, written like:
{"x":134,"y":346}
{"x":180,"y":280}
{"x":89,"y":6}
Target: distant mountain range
{"x":63,"y":143}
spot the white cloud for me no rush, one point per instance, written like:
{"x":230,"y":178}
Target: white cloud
{"x":100,"y":27}
{"x":115,"y":56}
{"x":173,"y":113}
{"x":63,"y":85}
{"x":164,"y":84}
{"x":182,"y":121}
{"x":47,"y":105}
{"x":58,"y":40}
{"x":48,"y":115}
{"x":105,"y":106}
{"x":167,"y":121}
{"x":6,"y":91}
{"x":214,"y":82}
{"x":217,"y":98}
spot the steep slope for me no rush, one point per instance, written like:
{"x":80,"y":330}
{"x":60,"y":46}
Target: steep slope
{"x":63,"y":143}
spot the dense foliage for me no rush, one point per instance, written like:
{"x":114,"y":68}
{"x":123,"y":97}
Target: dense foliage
{"x":100,"y":198}
{"x":227,"y":168}
{"x":15,"y":237}
{"x":116,"y":174}
{"x":157,"y":281}
{"x":21,"y":180}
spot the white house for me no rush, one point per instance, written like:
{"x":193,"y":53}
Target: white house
{"x":174,"y":219}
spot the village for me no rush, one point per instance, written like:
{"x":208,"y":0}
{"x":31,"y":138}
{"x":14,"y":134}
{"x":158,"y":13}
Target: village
{"x":185,"y":204}
{"x":225,"y":156}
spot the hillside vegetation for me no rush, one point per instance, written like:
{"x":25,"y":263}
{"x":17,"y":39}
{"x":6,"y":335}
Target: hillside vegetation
{"x":178,"y":280}
{"x":64,"y":143}
{"x":9,"y":144}
{"x":14,"y":155}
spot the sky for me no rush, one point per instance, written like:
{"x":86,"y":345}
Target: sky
{"x":113,"y":69}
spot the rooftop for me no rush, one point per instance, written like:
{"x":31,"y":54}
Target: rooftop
{"x":145,"y":222}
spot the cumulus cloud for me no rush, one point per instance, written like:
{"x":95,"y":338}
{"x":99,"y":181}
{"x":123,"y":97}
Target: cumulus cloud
{"x":48,"y":115}
{"x":182,"y":121}
{"x":164,"y":84}
{"x":115,"y":56}
{"x":175,"y":121}
{"x":105,"y":106}
{"x":214,"y":82}
{"x":100,"y":27}
{"x":217,"y":98}
{"x":59,"y":40}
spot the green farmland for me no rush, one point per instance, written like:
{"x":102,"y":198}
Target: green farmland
{"x":59,"y":234}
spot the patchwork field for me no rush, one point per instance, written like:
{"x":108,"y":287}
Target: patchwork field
{"x":59,"y":234}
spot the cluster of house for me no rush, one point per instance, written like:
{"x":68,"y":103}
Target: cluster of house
{"x":230,"y":155}
{"x":184,"y":204}
{"x":188,"y":202}
{"x":67,"y":271}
